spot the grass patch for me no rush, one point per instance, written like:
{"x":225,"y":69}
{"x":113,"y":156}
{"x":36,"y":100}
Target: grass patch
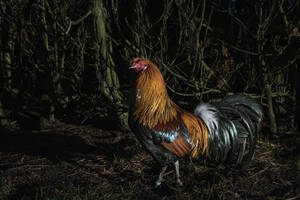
{"x":81,"y":162}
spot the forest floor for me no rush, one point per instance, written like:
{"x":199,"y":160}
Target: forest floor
{"x":84,"y":162}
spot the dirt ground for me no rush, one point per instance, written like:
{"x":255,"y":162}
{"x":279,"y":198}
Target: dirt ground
{"x":84,"y":162}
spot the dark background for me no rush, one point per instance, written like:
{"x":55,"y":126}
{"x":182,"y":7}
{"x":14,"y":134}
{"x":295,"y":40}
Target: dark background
{"x":64,"y":85}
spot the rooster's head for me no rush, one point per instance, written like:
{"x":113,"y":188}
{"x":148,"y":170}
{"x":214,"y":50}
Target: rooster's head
{"x":140,"y":64}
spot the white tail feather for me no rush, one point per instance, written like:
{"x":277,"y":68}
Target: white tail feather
{"x":209,"y":115}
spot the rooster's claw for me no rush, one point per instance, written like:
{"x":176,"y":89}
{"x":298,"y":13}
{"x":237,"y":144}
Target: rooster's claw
{"x":157,"y":183}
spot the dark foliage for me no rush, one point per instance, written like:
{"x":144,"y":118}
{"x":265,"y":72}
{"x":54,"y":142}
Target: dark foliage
{"x":57,"y":55}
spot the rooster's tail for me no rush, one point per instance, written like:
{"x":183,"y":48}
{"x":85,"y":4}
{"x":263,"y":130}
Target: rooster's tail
{"x":233,"y":125}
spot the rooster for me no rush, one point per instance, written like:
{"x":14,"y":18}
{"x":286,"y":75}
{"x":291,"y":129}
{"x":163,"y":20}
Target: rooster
{"x":220,"y":132}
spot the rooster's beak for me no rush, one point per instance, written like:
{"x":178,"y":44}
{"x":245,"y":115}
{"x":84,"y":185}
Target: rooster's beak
{"x":132,"y":67}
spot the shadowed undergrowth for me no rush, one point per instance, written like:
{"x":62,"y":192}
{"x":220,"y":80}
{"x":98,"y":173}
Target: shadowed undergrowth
{"x":83,"y":162}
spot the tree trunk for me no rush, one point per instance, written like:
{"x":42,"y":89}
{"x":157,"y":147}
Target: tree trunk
{"x":264,"y":23}
{"x":4,"y":122}
{"x":298,"y":98}
{"x":7,"y":42}
{"x":47,"y":113}
{"x":268,"y":91}
{"x":109,"y":82}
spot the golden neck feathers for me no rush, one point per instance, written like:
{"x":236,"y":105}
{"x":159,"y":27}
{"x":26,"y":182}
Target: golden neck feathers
{"x":150,"y":104}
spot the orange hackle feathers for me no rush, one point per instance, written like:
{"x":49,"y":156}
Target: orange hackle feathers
{"x":150,"y":98}
{"x":151,"y":106}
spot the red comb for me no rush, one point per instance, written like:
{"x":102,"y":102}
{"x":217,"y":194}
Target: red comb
{"x":136,"y":60}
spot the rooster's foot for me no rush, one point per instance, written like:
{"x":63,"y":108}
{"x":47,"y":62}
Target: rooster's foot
{"x":161,"y":174}
{"x":179,"y":182}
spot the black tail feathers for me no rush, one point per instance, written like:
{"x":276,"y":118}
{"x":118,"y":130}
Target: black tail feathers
{"x":233,"y":125}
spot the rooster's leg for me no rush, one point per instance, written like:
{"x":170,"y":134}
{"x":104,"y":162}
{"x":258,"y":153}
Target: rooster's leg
{"x":178,"y":181}
{"x":163,"y":170}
